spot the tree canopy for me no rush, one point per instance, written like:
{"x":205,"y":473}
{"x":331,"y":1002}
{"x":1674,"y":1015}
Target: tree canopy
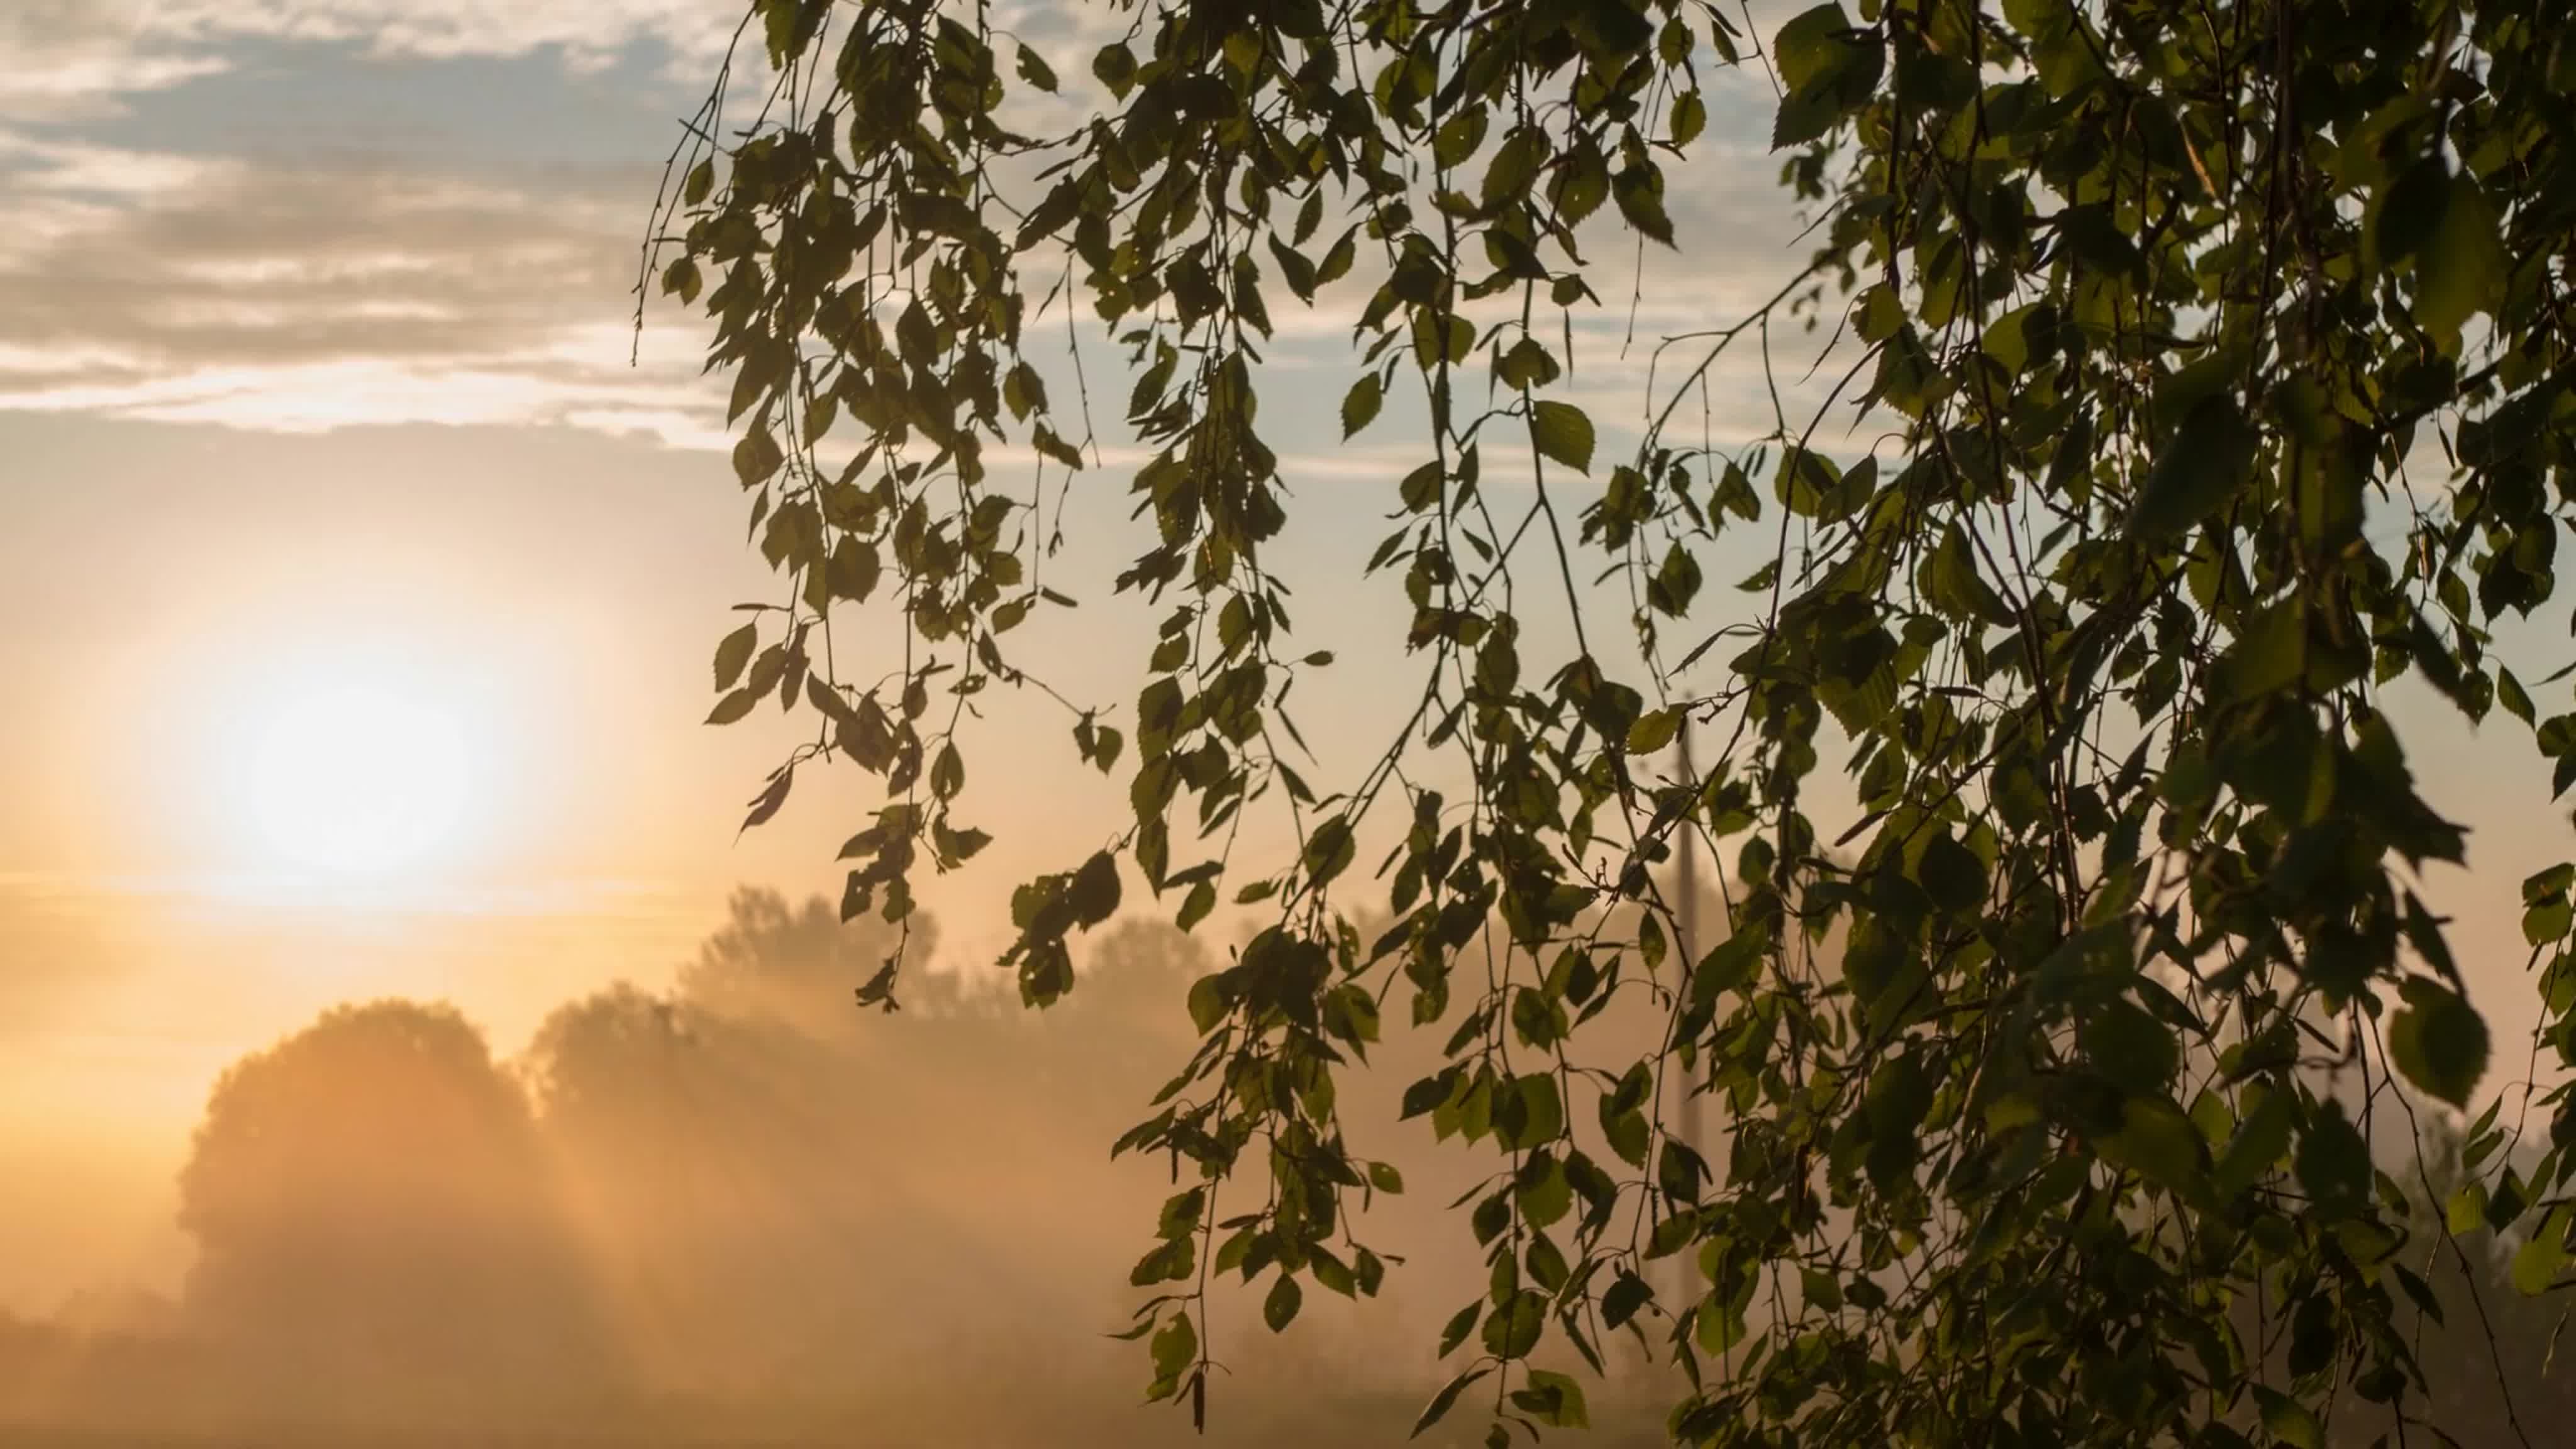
{"x":2217,"y":357}
{"x":369,"y":1209}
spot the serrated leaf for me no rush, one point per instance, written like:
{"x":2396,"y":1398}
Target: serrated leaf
{"x":1690,"y":117}
{"x":1639,"y":192}
{"x":1360,"y":404}
{"x":1827,"y":70}
{"x":1563,"y":433}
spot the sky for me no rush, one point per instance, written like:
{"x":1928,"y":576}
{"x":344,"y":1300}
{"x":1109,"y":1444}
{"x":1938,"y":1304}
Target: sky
{"x":316,"y":370}
{"x":322,"y":410}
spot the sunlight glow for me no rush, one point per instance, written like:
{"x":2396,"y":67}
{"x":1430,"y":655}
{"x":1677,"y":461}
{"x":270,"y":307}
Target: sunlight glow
{"x":352,"y":777}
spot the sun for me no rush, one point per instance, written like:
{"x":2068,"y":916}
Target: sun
{"x":354,"y":776}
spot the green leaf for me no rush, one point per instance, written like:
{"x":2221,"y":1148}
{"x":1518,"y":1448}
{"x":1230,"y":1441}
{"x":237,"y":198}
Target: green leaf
{"x":2516,"y":701}
{"x":1529,"y":1113}
{"x":1552,"y":1398}
{"x":1440,"y":1404}
{"x":735,"y":705}
{"x":1181,"y":1214}
{"x":2157,"y":1141}
{"x":2438,"y":1040}
{"x":1036,"y":71}
{"x":1639,"y":192}
{"x":757,"y":457}
{"x":1653,"y":730}
{"x":1690,"y":117}
{"x":1528,"y":364}
{"x":1360,"y":404}
{"x":1952,"y":875}
{"x":1513,"y":1329}
{"x":1460,"y":1324}
{"x":1208,"y":1003}
{"x":1328,"y":850}
{"x":1280,"y":1308}
{"x":1626,"y":1296}
{"x":1094,"y":894}
{"x":1115,"y":65}
{"x":1176,"y":1347}
{"x":2257,"y":1146}
{"x":2537,"y":1264}
{"x":2462,"y":267}
{"x":2288,"y":1420}
{"x":1810,"y":485}
{"x":2333,"y":1163}
{"x":683,"y":280}
{"x":1515,"y":165}
{"x":2130,"y":1047}
{"x":1828,"y":71}
{"x":1718,"y":1327}
{"x":1563,"y":433}
{"x":2202,"y":468}
{"x":735,"y":653}
{"x":2467,"y":1210}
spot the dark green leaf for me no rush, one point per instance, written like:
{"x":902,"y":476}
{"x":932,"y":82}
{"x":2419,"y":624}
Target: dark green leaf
{"x":1035,"y":70}
{"x":1094,"y":893}
{"x":2200,"y":470}
{"x":1438,"y":1408}
{"x":1280,"y":1308}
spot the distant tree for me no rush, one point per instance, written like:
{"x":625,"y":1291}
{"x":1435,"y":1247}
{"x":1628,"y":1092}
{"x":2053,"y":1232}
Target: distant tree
{"x":2224,"y":364}
{"x":713,"y":1164}
{"x":791,"y":961}
{"x":375,"y":1226}
{"x":757,"y":1190}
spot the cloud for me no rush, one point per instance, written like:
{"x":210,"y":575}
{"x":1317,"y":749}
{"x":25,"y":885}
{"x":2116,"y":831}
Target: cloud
{"x":67,"y":58}
{"x":584,"y":30}
{"x":182,"y":288}
{"x":71,"y":59}
{"x":147,"y":280}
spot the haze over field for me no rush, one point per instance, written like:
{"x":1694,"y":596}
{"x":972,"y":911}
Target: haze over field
{"x":727,"y":1209}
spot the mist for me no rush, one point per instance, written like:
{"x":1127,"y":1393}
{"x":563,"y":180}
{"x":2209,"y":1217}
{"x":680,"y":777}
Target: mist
{"x":741,"y":1210}
{"x":737,"y":1210}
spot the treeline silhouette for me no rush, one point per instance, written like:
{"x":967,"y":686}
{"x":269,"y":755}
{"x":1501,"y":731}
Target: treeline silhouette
{"x":744,"y":1212}
{"x":739,"y":1212}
